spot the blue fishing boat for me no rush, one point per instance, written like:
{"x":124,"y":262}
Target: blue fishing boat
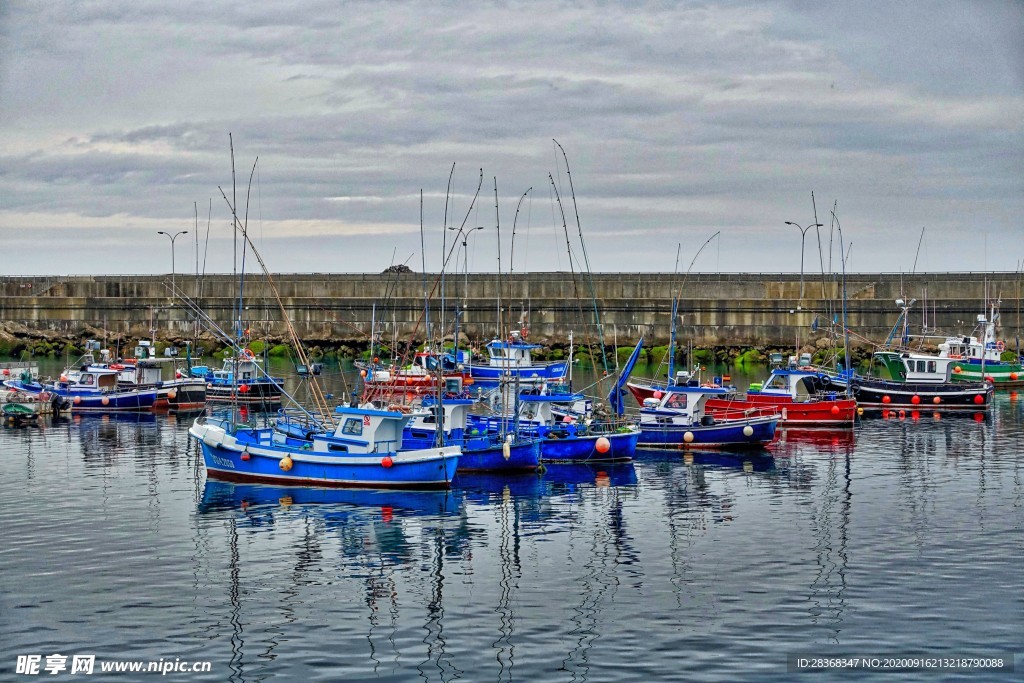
{"x":240,"y":380}
{"x":574,"y":437}
{"x":90,"y":388}
{"x":482,"y":451}
{"x":364,"y":450}
{"x":513,"y":358}
{"x":678,"y":420}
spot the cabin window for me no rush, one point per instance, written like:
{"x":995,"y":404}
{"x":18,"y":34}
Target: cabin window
{"x":353,"y":427}
{"x":246,"y":375}
{"x":932,"y":366}
{"x":337,"y":448}
{"x":86,"y":379}
{"x":676,"y":401}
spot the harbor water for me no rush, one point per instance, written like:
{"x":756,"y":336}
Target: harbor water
{"x":899,"y":538}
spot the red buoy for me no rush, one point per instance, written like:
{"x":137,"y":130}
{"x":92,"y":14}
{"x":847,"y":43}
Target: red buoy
{"x":835,"y":410}
{"x":915,"y":399}
{"x":245,"y":456}
{"x":386,"y":461}
{"x":603,"y":445}
{"x":936,"y":400}
{"x":244,"y":389}
{"x":886,"y":400}
{"x":979,"y":399}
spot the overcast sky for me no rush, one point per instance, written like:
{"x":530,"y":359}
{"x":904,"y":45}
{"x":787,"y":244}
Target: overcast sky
{"x":679,"y":119}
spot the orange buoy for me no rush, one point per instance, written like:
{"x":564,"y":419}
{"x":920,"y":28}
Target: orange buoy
{"x":386,"y":461}
{"x":244,"y":389}
{"x":990,"y":378}
{"x":915,"y":399}
{"x":886,"y":400}
{"x":362,"y":373}
{"x":603,"y":445}
{"x":979,"y":399}
{"x":835,"y":410}
{"x":78,"y":400}
{"x":936,"y":400}
{"x":1013,"y":376}
{"x":172,"y":394}
{"x":286,"y":463}
{"x":105,"y":401}
{"x":245,"y":456}
{"x":658,"y":394}
{"x":957,"y":370}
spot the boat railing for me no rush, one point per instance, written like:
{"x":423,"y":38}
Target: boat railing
{"x":745,"y":412}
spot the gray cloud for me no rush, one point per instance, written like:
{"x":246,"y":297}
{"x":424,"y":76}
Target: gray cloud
{"x":679,"y":119}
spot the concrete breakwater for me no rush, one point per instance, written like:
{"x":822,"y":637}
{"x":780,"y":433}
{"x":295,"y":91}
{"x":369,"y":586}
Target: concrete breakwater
{"x":752,"y":309}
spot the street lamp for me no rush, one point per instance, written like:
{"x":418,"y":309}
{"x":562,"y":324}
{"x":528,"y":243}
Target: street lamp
{"x":172,"y":238}
{"x":803,"y":234}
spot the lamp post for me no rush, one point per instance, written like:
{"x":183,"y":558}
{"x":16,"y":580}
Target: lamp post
{"x":803,"y":234}
{"x":172,"y":238}
{"x":465,"y":268}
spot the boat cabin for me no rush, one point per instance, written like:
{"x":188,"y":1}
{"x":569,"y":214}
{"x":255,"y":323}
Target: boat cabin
{"x":909,"y":367}
{"x":796,"y":384}
{"x":363,"y":431}
{"x":511,"y":353}
{"x":93,"y":379}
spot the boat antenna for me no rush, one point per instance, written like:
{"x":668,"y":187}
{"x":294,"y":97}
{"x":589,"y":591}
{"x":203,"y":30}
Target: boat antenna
{"x":512,"y":253}
{"x":846,"y":329}
{"x":586,"y":260}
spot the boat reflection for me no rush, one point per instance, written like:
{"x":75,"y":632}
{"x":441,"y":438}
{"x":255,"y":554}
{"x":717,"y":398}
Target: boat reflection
{"x":221,"y":496}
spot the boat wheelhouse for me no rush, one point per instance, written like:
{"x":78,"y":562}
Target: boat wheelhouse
{"x":513,"y":358}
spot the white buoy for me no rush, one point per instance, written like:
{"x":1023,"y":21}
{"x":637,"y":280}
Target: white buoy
{"x":748,"y":431}
{"x":688,"y":437}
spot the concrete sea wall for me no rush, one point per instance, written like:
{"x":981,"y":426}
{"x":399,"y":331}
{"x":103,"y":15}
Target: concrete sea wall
{"x":748,"y":309}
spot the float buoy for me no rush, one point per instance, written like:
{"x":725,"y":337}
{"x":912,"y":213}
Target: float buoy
{"x":603,"y":445}
{"x":979,"y":399}
{"x":937,"y":400}
{"x":748,"y":431}
{"x":915,"y":399}
{"x":835,"y":410}
{"x":688,"y":437}
{"x":245,"y":456}
{"x":286,"y":463}
{"x":386,"y":462}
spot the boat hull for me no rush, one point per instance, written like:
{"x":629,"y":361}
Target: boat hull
{"x":884,"y":394}
{"x":523,"y":455}
{"x":257,"y":392}
{"x":1001,"y":374}
{"x":487,"y":373}
{"x":724,"y":434}
{"x":584,"y":449}
{"x":825,"y":413}
{"x":230,"y":458}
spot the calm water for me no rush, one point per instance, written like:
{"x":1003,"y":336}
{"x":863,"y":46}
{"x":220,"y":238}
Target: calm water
{"x":903,"y":537}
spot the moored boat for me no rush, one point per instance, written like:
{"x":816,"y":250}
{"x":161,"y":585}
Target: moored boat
{"x":917,"y":382}
{"x":364,"y":450}
{"x":513,"y":358}
{"x":802,"y":396}
{"x":980,"y":358}
{"x":678,"y":419}
{"x":240,"y":380}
